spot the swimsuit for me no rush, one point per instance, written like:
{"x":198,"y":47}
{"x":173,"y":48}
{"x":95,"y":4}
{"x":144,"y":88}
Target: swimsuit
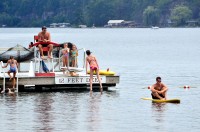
{"x":73,"y":55}
{"x":66,"y":55}
{"x":12,"y":69}
{"x":154,"y":97}
{"x":93,"y":66}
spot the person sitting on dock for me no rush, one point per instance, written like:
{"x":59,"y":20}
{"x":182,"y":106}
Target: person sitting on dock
{"x":159,"y":90}
{"x":92,"y":61}
{"x":45,"y":36}
{"x":13,"y":69}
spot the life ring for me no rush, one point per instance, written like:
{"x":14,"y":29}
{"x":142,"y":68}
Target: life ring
{"x":54,"y":44}
{"x":103,"y":72}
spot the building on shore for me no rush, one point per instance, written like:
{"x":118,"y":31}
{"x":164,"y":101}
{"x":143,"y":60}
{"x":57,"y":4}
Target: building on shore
{"x":192,"y":23}
{"x":3,"y":26}
{"x":120,"y":24}
{"x":82,"y":26}
{"x":60,"y":25}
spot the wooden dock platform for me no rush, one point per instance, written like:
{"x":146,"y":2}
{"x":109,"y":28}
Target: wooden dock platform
{"x":58,"y":81}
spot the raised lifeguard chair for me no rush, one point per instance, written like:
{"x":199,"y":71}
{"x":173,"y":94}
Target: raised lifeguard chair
{"x":38,"y":58}
{"x":45,"y":49}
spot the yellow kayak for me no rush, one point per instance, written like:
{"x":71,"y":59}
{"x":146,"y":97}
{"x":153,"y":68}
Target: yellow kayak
{"x":163,"y":101}
{"x":104,"y":72}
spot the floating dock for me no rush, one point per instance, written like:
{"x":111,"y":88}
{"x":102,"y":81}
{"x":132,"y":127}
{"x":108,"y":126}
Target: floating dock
{"x":36,"y":80}
{"x":57,"y":81}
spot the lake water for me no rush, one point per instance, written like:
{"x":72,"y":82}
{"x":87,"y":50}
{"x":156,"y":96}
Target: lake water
{"x":138,"y":56}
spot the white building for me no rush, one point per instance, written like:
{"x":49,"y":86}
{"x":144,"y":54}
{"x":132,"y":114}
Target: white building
{"x":115,"y":22}
{"x":120,"y":24}
{"x":59,"y":25}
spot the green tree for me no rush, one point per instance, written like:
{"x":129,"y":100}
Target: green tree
{"x":28,"y":13}
{"x":99,"y":12}
{"x":151,"y":16}
{"x":180,"y":14}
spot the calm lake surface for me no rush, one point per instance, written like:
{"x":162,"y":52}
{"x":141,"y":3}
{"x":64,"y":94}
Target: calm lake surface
{"x":138,"y":56}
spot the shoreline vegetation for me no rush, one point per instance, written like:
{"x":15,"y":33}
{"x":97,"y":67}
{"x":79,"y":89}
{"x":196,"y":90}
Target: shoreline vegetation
{"x":90,"y":13}
{"x":108,"y":28}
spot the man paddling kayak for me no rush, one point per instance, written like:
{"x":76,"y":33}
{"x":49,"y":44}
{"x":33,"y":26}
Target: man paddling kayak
{"x":159,"y":90}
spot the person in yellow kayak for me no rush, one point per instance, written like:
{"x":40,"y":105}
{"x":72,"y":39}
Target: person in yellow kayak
{"x":159,"y":90}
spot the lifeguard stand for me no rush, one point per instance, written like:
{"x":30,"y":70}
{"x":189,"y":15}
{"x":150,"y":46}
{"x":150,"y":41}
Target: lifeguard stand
{"x":38,"y":58}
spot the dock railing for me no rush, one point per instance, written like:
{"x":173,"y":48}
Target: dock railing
{"x":4,"y":76}
{"x":17,"y":86}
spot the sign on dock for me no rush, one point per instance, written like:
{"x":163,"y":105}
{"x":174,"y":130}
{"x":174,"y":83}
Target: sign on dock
{"x":78,"y":80}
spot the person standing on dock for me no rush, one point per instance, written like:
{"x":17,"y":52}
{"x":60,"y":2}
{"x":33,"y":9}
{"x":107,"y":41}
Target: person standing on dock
{"x":65,"y":58}
{"x":45,"y":36}
{"x":74,"y":54}
{"x":13,"y":69}
{"x":92,"y":61}
{"x":159,"y":90}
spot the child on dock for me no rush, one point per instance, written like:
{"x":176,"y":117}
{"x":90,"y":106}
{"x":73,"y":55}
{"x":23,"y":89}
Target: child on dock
{"x":74,"y":54}
{"x":65,"y":52}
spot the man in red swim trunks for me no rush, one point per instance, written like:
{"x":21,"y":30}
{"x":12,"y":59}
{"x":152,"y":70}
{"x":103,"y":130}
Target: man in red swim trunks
{"x":159,"y":90}
{"x":45,"y":36}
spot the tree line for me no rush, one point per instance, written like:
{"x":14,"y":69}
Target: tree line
{"x":35,"y":13}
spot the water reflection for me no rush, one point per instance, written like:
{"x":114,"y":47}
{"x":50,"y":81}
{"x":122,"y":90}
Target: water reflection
{"x":158,"y":114}
{"x":9,"y":111}
{"x":112,"y":93}
{"x":158,"y":110}
{"x":43,"y":108}
{"x":57,"y":111}
{"x":159,"y":107}
{"x":94,"y":116}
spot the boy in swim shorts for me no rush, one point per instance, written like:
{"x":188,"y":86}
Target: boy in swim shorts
{"x":13,"y":69}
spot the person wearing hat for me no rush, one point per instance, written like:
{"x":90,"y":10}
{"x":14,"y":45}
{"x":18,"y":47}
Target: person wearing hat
{"x":45,"y":36}
{"x":92,"y":61}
